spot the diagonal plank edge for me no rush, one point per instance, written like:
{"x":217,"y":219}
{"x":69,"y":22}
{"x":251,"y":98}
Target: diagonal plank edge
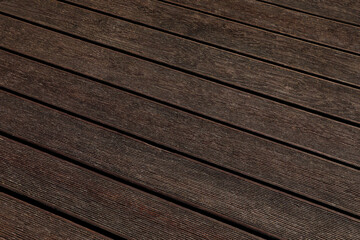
{"x":102,"y":201}
{"x":51,"y":89}
{"x":167,"y":119}
{"x":246,"y":177}
{"x":345,"y":11}
{"x":191,"y":181}
{"x":94,"y":100}
{"x":111,"y":31}
{"x":20,"y":220}
{"x":278,"y":19}
{"x":331,"y":138}
{"x":162,"y":102}
{"x":257,"y":44}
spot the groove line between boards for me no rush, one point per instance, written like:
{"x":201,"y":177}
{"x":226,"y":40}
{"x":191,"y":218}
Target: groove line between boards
{"x":253,"y":26}
{"x":210,"y":79}
{"x":158,"y":101}
{"x":58,"y":213}
{"x":128,"y":182}
{"x":255,"y":180}
{"x":220,"y":47}
{"x":309,"y":13}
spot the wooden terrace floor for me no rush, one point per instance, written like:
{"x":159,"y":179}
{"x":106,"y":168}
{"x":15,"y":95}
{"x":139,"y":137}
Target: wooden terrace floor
{"x":180,"y":119}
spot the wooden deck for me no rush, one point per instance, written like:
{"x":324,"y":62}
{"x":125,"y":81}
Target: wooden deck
{"x":180,"y":119}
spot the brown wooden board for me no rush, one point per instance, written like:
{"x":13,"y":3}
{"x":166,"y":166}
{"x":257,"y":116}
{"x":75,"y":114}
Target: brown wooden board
{"x":20,"y":220}
{"x":193,"y":56}
{"x":327,"y":136}
{"x":282,"y":20}
{"x":178,"y":177}
{"x":347,"y":11}
{"x":233,"y":36}
{"x":111,"y":106}
{"x":123,"y":210}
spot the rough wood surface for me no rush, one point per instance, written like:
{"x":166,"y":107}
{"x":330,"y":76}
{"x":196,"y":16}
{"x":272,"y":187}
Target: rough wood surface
{"x":160,"y":119}
{"x":20,"y":220}
{"x":179,"y":177}
{"x":282,"y":20}
{"x":101,"y":201}
{"x":193,"y":56}
{"x":345,"y":10}
{"x":328,"y":137}
{"x":97,"y":102}
{"x":266,"y":45}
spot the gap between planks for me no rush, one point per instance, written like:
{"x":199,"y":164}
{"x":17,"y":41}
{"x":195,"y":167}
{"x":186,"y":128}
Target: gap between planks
{"x":243,"y":22}
{"x":268,"y":97}
{"x":289,"y":198}
{"x":255,"y":180}
{"x":127,"y":182}
{"x":243,"y":89}
{"x":59,"y":213}
{"x":251,"y":56}
{"x":250,"y":25}
{"x":308,"y":13}
{"x":203,"y":116}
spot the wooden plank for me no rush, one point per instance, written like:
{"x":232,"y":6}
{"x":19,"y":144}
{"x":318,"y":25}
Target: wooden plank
{"x":20,"y":220}
{"x":257,"y":158}
{"x":193,"y":56}
{"x":175,"y":176}
{"x":345,"y":10}
{"x":101,"y":201}
{"x":236,"y":37}
{"x":328,"y":137}
{"x":282,"y":20}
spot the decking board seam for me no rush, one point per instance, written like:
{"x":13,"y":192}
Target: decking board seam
{"x":59,"y":213}
{"x":252,"y":179}
{"x":256,"y":27}
{"x":210,"y":79}
{"x":308,"y":13}
{"x":140,"y":187}
{"x":191,"y":112}
{"x":219,"y":47}
{"x":202,"y":76}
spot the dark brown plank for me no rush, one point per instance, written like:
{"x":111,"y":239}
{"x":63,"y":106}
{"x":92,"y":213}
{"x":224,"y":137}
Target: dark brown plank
{"x":261,"y":159}
{"x":282,"y":20}
{"x":101,"y":201}
{"x":345,"y":10}
{"x":241,"y":38}
{"x":329,"y":137}
{"x":19,"y":220}
{"x":190,"y":55}
{"x":201,"y":186}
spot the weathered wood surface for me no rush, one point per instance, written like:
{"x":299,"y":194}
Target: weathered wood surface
{"x":347,"y":11}
{"x":192,"y":56}
{"x":155,"y":119}
{"x":234,"y":36}
{"x":282,"y":20}
{"x":328,"y":137}
{"x":116,"y":207}
{"x":20,"y":220}
{"x":229,"y":148}
{"x":199,"y":185}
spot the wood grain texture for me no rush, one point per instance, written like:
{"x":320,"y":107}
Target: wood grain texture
{"x":179,"y":177}
{"x":211,"y":170}
{"x":190,"y":55}
{"x":282,"y":20}
{"x":101,"y":201}
{"x":241,"y":38}
{"x":329,"y":137}
{"x":108,"y":105}
{"x":345,"y":10}
{"x":20,"y":220}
